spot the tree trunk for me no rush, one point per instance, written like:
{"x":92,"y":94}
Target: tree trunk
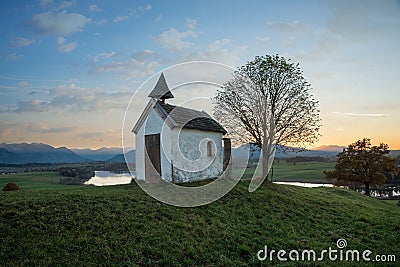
{"x":265,"y":163}
{"x":367,"y":191}
{"x":264,"y":144}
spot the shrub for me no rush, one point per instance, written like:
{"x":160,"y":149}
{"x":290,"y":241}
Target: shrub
{"x":10,"y":187}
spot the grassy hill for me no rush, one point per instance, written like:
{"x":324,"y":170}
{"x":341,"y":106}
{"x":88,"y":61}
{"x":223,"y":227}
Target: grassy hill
{"x":122,"y":226}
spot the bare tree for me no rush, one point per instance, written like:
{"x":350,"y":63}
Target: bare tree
{"x":267,"y":103}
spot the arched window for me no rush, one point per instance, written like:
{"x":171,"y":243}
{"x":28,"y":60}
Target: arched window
{"x":210,"y":149}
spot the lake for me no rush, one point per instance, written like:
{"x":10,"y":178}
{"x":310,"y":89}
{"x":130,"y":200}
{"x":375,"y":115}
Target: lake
{"x":103,"y":178}
{"x":305,"y":184}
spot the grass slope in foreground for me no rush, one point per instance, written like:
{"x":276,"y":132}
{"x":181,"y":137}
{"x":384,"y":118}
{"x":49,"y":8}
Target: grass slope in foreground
{"x":122,"y":226}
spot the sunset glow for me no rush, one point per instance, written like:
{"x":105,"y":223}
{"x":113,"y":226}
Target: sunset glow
{"x":69,"y":68}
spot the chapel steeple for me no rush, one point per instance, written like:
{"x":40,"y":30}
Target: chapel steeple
{"x":161,"y":90}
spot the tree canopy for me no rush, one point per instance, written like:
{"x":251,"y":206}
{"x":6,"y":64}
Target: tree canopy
{"x":267,"y":102}
{"x":364,"y":164}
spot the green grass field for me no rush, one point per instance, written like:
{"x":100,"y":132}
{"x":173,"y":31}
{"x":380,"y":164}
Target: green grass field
{"x":123,"y":226}
{"x":301,"y":171}
{"x":34,"y":180}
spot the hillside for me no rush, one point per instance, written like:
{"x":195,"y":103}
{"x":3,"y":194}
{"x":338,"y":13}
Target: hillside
{"x":242,"y":152}
{"x":36,"y":153}
{"x":330,"y":148}
{"x":131,"y":157}
{"x":101,"y":154}
{"x":41,"y":153}
{"x":121,"y":225}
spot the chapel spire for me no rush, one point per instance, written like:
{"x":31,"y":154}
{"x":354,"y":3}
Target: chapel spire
{"x":161,"y":90}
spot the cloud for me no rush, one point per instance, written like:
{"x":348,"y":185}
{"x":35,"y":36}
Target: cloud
{"x":46,"y":2}
{"x":221,"y":50}
{"x":15,"y":132}
{"x":51,"y":4}
{"x":104,"y":55}
{"x":59,"y":23}
{"x":145,"y":62}
{"x":355,"y":27}
{"x":33,"y":106}
{"x":295,"y":26}
{"x":146,"y":7}
{"x":110,"y":135}
{"x":64,"y":5}
{"x":65,"y":47}
{"x":364,"y":21}
{"x":23,"y":84}
{"x":140,"y":64}
{"x":101,"y":22}
{"x":110,"y":67}
{"x":144,"y":55}
{"x":8,"y":131}
{"x":12,"y":56}
{"x":174,"y":40}
{"x":362,"y":114}
{"x":77,"y":99}
{"x":191,"y":24}
{"x":263,"y":39}
{"x":21,"y":41}
{"x":73,"y":98}
{"x":43,"y":128}
{"x":95,"y":8}
{"x":135,"y":12}
{"x":120,"y":18}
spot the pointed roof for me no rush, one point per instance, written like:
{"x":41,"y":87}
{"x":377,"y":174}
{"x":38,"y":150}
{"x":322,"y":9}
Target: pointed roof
{"x":161,"y":90}
{"x":176,"y":116}
{"x":191,"y":119}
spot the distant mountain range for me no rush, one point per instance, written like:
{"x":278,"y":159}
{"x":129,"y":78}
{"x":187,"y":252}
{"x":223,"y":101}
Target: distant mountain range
{"x":330,"y":148}
{"x":102,"y":154}
{"x":130,"y":156}
{"x":41,"y":153}
{"x":242,"y":152}
{"x":36,"y":153}
{"x":328,"y":151}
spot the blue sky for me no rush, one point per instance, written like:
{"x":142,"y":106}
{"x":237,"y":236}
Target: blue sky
{"x":69,"y":68}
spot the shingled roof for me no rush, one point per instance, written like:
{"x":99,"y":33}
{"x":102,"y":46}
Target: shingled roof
{"x":191,"y":118}
{"x":176,"y":116}
{"x":161,"y":90}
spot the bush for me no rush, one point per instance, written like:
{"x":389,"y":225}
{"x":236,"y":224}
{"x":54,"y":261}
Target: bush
{"x":11,"y":187}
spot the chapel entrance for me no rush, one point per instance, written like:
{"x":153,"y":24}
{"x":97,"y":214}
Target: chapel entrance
{"x":153,"y":159}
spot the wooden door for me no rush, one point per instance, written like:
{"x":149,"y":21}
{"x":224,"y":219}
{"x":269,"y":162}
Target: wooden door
{"x":153,"y":159}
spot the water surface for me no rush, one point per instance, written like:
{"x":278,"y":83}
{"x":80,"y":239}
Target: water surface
{"x":103,"y":178}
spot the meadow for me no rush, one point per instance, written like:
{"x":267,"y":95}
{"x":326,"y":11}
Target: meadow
{"x":298,"y":172}
{"x":34,"y":180}
{"x":123,"y":226}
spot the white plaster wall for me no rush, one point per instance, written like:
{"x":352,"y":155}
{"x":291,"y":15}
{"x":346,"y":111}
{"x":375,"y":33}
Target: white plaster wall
{"x":190,"y":165}
{"x":165,"y":150}
{"x":190,"y":157}
{"x":153,"y":125}
{"x":139,"y":151}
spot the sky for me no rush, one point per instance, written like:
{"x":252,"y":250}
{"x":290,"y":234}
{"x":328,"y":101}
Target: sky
{"x":68,"y":69}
